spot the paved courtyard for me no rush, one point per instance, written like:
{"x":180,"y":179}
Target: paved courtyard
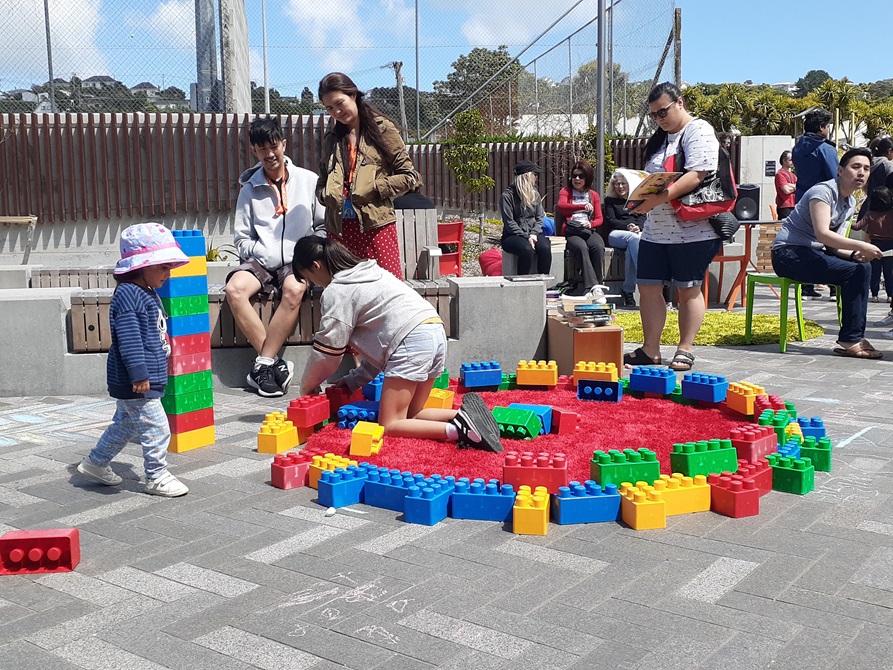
{"x":239,"y":574}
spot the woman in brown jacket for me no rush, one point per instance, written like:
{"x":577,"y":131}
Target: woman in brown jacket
{"x":364,"y":167}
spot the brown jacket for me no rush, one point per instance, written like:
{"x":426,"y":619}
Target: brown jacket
{"x":375,"y":183}
{"x":878,"y":225}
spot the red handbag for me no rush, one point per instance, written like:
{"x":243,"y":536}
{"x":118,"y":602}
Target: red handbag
{"x":715,"y":195}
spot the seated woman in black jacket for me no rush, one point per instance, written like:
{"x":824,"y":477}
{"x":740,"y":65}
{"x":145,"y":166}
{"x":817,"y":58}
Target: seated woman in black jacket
{"x":624,"y":227}
{"x":522,"y":221}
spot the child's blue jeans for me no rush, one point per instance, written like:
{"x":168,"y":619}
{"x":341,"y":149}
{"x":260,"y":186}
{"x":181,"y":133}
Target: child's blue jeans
{"x":141,"y":421}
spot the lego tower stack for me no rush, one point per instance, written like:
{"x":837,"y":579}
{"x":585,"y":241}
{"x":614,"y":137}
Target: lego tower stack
{"x":189,"y":397}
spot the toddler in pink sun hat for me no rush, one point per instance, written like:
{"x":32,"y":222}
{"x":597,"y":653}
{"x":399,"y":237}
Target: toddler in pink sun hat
{"x":137,"y":362}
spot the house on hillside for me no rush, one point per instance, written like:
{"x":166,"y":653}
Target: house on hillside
{"x":146,"y":89}
{"x":98,"y":81}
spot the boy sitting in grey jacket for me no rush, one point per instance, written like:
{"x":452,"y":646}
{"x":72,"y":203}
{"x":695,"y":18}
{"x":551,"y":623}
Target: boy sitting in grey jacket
{"x":276,"y":207}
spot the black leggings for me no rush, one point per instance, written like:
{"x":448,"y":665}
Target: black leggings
{"x":520,"y":247}
{"x":588,"y":249}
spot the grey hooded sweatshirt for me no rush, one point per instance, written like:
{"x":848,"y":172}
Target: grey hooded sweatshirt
{"x":265,"y":236}
{"x":370,"y":310}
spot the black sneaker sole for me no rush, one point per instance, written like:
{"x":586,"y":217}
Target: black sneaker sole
{"x":474,"y":406}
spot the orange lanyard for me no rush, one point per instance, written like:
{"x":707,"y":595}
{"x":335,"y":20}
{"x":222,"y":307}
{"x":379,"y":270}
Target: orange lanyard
{"x":353,"y":162}
{"x":282,"y":193}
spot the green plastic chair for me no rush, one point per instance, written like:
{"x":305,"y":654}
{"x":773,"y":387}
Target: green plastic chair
{"x":783,"y":284}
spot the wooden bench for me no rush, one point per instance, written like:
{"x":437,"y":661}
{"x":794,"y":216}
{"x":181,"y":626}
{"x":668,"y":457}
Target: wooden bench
{"x":31,"y":222}
{"x":417,"y":237}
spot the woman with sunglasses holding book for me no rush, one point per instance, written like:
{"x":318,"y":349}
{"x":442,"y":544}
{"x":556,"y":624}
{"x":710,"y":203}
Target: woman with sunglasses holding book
{"x":581,"y":209}
{"x":673,"y":251}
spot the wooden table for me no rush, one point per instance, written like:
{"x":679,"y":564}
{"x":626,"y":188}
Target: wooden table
{"x":567,"y":345}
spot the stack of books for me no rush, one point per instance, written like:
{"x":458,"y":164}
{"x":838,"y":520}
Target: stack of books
{"x":586,"y":314}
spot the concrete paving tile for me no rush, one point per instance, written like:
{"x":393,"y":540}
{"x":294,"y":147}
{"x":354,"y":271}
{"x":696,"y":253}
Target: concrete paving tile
{"x":552,"y":557}
{"x":293,"y":545}
{"x":160,"y":617}
{"x":94,"y":654}
{"x":384,"y":565}
{"x":717,"y":579}
{"x":176,"y":530}
{"x":401,"y":662}
{"x":734,"y":619}
{"x":440,"y":562}
{"x":842,"y":607}
{"x":396,"y":538}
{"x":172,"y":652}
{"x":316,"y":514}
{"x":612,"y":654}
{"x":229,"y":612}
{"x":540,"y":631}
{"x":478,"y":660}
{"x":546,"y":658}
{"x":90,"y":623}
{"x":550,"y":585}
{"x":166,"y":552}
{"x":355,"y":599}
{"x":10,"y":611}
{"x":807,"y":617}
{"x":744,"y":652}
{"x":470,"y":635}
{"x":206,"y":580}
{"x":121,"y":530}
{"x":871,"y":649}
{"x":394,"y":637}
{"x":774,"y":575}
{"x":831,"y":571}
{"x":866,"y":594}
{"x":110,"y":509}
{"x":812,"y":649}
{"x":32,"y":595}
{"x":147,"y":584}
{"x":86,"y":588}
{"x":235,"y":467}
{"x":21,"y":654}
{"x":877,"y":570}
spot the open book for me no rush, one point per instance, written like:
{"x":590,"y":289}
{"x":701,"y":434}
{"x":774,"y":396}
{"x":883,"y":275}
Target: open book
{"x":651,"y":184}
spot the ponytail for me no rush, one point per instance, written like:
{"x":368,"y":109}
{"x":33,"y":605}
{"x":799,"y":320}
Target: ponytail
{"x":330,"y":253}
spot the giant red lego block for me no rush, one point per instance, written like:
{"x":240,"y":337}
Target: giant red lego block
{"x":764,"y":402}
{"x":183,"y":423}
{"x":188,"y":363}
{"x":288,"y":471}
{"x":564,"y":422}
{"x":753,"y":442}
{"x":31,"y":552}
{"x":760,"y":472}
{"x":186,"y":345}
{"x":732,"y":495}
{"x":339,"y":396}
{"x":308,"y":411}
{"x":533,"y":470}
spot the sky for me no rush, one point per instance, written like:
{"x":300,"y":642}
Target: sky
{"x":153,"y":40}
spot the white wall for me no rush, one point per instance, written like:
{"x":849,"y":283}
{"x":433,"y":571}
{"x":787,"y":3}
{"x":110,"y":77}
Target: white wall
{"x":756,"y":152}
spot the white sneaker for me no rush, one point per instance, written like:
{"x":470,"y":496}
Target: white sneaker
{"x":98,"y":474}
{"x":888,"y":335}
{"x":597,"y":294}
{"x":166,"y":485}
{"x":887,"y":321}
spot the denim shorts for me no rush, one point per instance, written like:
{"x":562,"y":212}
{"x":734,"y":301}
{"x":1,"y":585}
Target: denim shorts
{"x":682,"y":264}
{"x":271,"y":281}
{"x":420,"y":356}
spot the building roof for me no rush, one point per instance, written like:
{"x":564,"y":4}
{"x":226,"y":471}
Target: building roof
{"x":101,"y":79}
{"x":145,"y":86}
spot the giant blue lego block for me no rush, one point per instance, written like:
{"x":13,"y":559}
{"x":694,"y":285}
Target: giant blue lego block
{"x":428,"y":502}
{"x":585,"y":503}
{"x":706,"y":388}
{"x":179,"y":287}
{"x":372,"y":390}
{"x":191,"y":242}
{"x":387,"y":488}
{"x":592,"y":389}
{"x":812,"y":427}
{"x":544,"y":412}
{"x":482,"y":501}
{"x":790,"y":449}
{"x":344,"y":486}
{"x":361,"y":410}
{"x":483,"y":374}
{"x":648,"y":379}
{"x":193,"y":324}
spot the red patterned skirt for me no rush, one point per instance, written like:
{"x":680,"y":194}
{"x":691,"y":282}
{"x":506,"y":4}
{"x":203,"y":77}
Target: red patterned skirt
{"x":379,"y":244}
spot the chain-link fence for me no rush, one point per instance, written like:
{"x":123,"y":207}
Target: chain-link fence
{"x":177,"y":55}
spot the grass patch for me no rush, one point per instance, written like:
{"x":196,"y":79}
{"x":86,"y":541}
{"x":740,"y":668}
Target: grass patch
{"x":720,"y":328}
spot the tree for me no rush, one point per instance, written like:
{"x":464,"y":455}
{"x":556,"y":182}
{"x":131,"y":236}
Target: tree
{"x":307,"y":98}
{"x":465,"y":155}
{"x":810,"y":81}
{"x":172,"y":93}
{"x":879,"y":89}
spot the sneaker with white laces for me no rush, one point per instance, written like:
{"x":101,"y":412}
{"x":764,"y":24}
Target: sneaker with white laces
{"x":283,"y":372}
{"x":98,"y":474}
{"x":887,"y":321}
{"x":166,"y":485}
{"x":476,"y":425}
{"x":262,"y":378}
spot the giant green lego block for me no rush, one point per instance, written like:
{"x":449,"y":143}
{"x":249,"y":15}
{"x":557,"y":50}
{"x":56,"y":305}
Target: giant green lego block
{"x":778,"y":419}
{"x":817,"y":451}
{"x":509,"y":381}
{"x":792,"y":475}
{"x":704,"y":458}
{"x":190,"y":383}
{"x":188,"y":402}
{"x":518,"y":424}
{"x":677,"y":397}
{"x":629,"y":465}
{"x":186,"y":305}
{"x":443,"y":381}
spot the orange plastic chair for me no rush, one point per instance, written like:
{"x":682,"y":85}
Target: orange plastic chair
{"x":451,"y":233}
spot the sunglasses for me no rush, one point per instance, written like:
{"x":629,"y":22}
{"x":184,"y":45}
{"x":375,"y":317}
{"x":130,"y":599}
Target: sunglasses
{"x":662,"y":112}
{"x":577,"y":175}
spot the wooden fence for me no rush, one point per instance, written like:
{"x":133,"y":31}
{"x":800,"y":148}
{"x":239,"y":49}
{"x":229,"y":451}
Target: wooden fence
{"x":94,"y":167}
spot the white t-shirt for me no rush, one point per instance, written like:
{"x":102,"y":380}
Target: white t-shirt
{"x":581,"y":216}
{"x":701,"y":149}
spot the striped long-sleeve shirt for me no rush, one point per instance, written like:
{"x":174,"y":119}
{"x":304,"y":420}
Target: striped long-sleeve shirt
{"x":139,"y":347}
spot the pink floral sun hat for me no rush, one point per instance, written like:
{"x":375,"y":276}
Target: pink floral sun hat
{"x":147,"y":244}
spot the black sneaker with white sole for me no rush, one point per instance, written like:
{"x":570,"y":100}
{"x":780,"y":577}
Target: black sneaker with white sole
{"x":283,"y":373}
{"x":263,"y":379}
{"x":476,"y":425}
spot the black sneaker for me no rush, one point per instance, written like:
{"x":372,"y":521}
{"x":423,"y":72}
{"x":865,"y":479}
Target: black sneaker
{"x":476,"y":425}
{"x":629,"y":299}
{"x":262,"y":378}
{"x":808,"y":291}
{"x":283,"y":372}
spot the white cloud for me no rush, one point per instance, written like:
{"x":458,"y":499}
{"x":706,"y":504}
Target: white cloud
{"x":172,"y":23}
{"x":256,"y":65}
{"x":73,"y":28}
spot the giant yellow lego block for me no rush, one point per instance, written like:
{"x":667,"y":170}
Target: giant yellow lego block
{"x":601,"y":372}
{"x":197,"y":266}
{"x":277,"y":434}
{"x":741,"y":395}
{"x":537,"y":373}
{"x":642,"y":507}
{"x":192,"y":439}
{"x":793,"y":429}
{"x":684,"y":495}
{"x":366,"y":438}
{"x":530,"y":513}
{"x":440,"y":399}
{"x":325,"y":462}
